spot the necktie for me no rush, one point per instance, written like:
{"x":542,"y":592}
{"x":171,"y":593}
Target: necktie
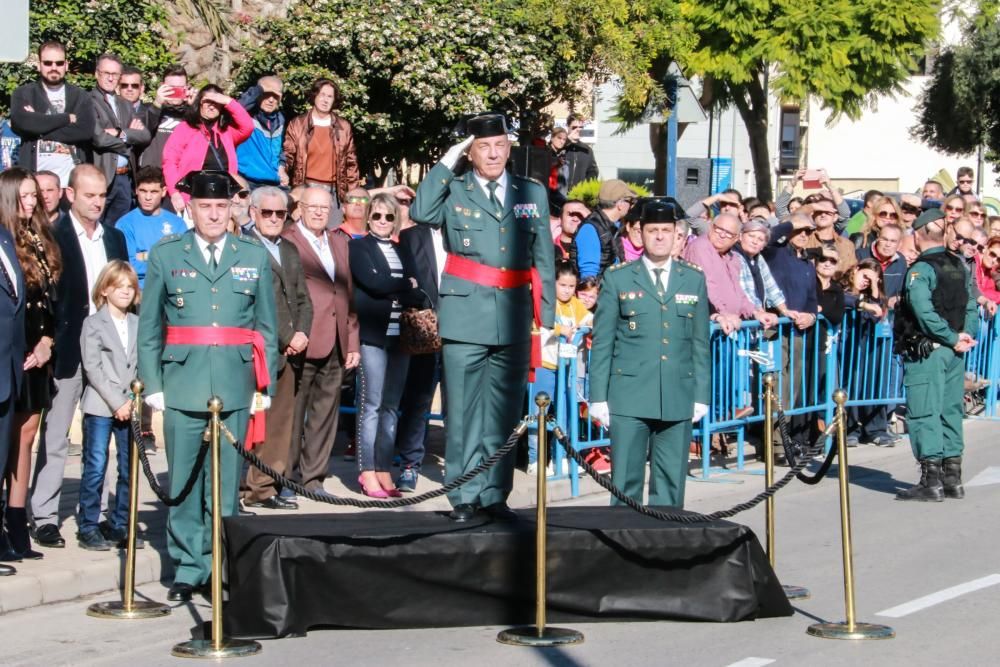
{"x":659,"y":279}
{"x":213,"y":263}
{"x":492,"y":187}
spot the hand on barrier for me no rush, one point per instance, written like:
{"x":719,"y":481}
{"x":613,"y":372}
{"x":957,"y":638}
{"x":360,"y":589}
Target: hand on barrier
{"x":600,"y":413}
{"x":455,"y":152}
{"x":700,"y":410}
{"x":259,"y":403}
{"x":155,"y":401}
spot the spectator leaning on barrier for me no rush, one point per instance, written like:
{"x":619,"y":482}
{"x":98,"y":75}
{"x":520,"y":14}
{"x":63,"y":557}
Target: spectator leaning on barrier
{"x":596,"y":236}
{"x":713,"y":253}
{"x":987,"y":270}
{"x":892,"y":263}
{"x":755,"y":276}
{"x":261,"y":156}
{"x":824,"y":214}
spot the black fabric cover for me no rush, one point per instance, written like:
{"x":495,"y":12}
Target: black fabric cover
{"x":393,"y":569}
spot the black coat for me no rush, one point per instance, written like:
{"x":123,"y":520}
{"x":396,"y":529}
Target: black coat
{"x":12,"y":343}
{"x":38,"y":124}
{"x":419,"y":242}
{"x":72,"y":295}
{"x":375,"y":289}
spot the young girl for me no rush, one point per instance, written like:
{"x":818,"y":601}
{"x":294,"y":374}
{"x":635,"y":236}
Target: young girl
{"x":108,"y":346}
{"x":571,"y":314}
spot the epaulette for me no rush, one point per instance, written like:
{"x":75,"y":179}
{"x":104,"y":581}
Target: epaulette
{"x":690,"y":265}
{"x":247,"y":238}
{"x":529,"y":179}
{"x":615,"y":267}
{"x":169,"y":238}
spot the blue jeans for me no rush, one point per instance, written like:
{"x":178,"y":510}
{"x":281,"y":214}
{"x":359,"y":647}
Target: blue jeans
{"x":382,"y":376}
{"x":411,"y":432}
{"x":545,"y":380}
{"x":97,"y":432}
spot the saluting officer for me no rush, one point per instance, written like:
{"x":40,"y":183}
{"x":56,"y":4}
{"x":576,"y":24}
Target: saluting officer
{"x":495,"y":232}
{"x":206,"y":328}
{"x":934,"y":328}
{"x":649,"y":369}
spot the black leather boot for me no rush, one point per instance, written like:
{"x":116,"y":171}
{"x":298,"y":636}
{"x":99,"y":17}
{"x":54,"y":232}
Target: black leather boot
{"x":7,"y":553}
{"x":951,"y":477}
{"x":17,"y":529}
{"x":929,"y":488}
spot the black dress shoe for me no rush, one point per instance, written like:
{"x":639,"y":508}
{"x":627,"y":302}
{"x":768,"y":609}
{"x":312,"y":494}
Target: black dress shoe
{"x":119,"y":536}
{"x":462,"y":512}
{"x":500,"y":512}
{"x":275,"y":503}
{"x":245,"y":512}
{"x":180,"y":592}
{"x":7,"y":570}
{"x":48,"y":536}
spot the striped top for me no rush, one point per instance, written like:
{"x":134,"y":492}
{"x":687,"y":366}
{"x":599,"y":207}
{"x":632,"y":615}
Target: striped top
{"x":388,"y":249}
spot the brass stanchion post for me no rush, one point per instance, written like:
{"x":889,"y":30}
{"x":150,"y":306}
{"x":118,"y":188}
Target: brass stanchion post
{"x":127,"y":607}
{"x":791,"y":592}
{"x":849,"y":629}
{"x":538,"y":634}
{"x":218,"y":646}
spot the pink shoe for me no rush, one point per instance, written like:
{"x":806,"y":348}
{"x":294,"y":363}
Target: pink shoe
{"x":377,"y":492}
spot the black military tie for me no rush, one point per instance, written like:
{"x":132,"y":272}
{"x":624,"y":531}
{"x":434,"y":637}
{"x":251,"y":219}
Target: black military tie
{"x":213,"y":263}
{"x":492,"y":187}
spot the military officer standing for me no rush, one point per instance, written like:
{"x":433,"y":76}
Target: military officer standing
{"x":498,"y":274}
{"x":206,"y":328}
{"x":933,"y":328}
{"x":649,"y":368}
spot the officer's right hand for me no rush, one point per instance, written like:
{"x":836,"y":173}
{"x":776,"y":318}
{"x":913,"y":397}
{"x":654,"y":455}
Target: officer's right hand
{"x":451,"y":157}
{"x":600,"y":413}
{"x":155,"y":401}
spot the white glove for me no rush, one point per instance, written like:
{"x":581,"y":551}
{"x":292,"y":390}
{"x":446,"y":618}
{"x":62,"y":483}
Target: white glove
{"x":155,"y":401}
{"x":451,"y":157}
{"x":599,"y":412}
{"x":259,"y":403}
{"x":700,"y":410}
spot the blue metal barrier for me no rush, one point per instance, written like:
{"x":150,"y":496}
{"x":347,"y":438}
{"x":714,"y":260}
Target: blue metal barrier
{"x":982,"y":363}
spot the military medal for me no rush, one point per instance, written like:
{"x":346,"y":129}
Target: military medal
{"x":466,"y":242}
{"x":631,"y":326}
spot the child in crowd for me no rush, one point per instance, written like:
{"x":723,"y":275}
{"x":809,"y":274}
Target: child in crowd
{"x":586,"y":292}
{"x":150,"y":222}
{"x":108,"y":346}
{"x":571,"y":315}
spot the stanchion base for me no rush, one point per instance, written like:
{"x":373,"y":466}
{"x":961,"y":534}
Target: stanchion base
{"x":202,"y":648}
{"x":528,"y":635}
{"x":843,"y":631}
{"x":796,"y":592}
{"x":116,"y":609}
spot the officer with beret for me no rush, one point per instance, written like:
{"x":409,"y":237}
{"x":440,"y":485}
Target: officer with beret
{"x":206,"y":328}
{"x":934,"y":329}
{"x":649,"y":369}
{"x":497,"y":278}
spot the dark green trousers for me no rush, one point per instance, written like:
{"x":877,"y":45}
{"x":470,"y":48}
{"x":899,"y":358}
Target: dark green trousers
{"x":189,"y":525}
{"x":484,"y":390}
{"x":934,"y":391}
{"x":666,"y":444}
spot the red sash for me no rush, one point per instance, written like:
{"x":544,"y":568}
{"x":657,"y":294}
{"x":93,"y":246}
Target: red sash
{"x":231,"y":336}
{"x":491,"y":276}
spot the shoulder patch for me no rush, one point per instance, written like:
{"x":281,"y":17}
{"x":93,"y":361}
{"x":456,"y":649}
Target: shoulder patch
{"x":690,"y":265}
{"x":247,"y":238}
{"x":169,"y":238}
{"x":527,"y":179}
{"x":616,"y":267}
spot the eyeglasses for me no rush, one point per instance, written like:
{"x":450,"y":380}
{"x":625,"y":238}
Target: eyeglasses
{"x":53,"y":63}
{"x":976,"y":214}
{"x":723,"y":233}
{"x":954,"y":209}
{"x":322,"y":208}
{"x":965,"y":180}
{"x":130,"y":86}
{"x":273,"y":213}
{"x":389,"y":217}
{"x":888,"y":215}
{"x":358,"y":200}
{"x":911,"y":209}
{"x":243,"y":194}
{"x":109,"y":75}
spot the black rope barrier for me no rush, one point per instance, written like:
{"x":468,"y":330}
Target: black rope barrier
{"x":147,"y":470}
{"x":487,"y":463}
{"x":792,"y":453}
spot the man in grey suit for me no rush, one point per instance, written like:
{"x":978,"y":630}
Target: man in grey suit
{"x":117,"y":131}
{"x":11,"y":346}
{"x":268,"y":211}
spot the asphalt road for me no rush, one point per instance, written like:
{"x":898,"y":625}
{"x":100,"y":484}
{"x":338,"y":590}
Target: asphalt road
{"x":931,"y":571}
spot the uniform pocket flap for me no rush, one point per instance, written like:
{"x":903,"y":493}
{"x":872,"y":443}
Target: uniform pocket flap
{"x":175,"y":352}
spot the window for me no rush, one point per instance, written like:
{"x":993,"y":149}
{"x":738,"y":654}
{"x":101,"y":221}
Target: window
{"x":692,"y":176}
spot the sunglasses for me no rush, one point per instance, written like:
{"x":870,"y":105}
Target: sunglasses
{"x":389,"y":217}
{"x":965,"y":180}
{"x":803,"y":230}
{"x":130,"y":86}
{"x":954,"y":209}
{"x":53,"y":63}
{"x":243,"y":194}
{"x":816,"y":214}
{"x":976,"y":214}
{"x":576,"y":127}
{"x":574,"y":214}
{"x":827,"y":260}
{"x":272,"y":95}
{"x":911,"y":209}
{"x":995,"y":257}
{"x":358,"y":200}
{"x":728,"y":204}
{"x":273,"y":213}
{"x":888,"y":215}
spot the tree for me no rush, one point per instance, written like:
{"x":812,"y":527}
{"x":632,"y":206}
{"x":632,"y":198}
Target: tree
{"x":408,"y":70}
{"x":132,"y":29}
{"x":845,"y":53}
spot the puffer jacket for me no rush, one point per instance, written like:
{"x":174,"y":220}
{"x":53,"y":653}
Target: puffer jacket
{"x":297,"y":138}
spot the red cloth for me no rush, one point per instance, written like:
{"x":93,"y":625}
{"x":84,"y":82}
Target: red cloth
{"x":491,"y":276}
{"x":231,"y":336}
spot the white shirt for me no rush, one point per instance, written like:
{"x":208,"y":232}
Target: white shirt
{"x":664,"y":277}
{"x":501,"y":186}
{"x":440,"y":256}
{"x":205,"y":253}
{"x":321,"y":246}
{"x":121,"y":326}
{"x":94,"y":255}
{"x":10,"y":268}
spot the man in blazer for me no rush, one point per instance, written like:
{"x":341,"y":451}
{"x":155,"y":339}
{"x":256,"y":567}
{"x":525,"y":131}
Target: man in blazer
{"x":268,"y":210}
{"x":86,"y":246}
{"x":117,"y":132}
{"x":12,"y":347}
{"x":650,"y":372}
{"x":334,"y":339}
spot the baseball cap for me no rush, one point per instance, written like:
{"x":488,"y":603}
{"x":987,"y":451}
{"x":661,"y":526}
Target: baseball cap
{"x":615,"y":189}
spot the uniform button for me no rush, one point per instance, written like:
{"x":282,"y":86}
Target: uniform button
{"x":466,"y":226}
{"x":215,"y":306}
{"x":215,"y":324}
{"x":663,"y":307}
{"x":179,"y":290}
{"x":666,"y":342}
{"x":503,"y":229}
{"x":503,"y":268}
{"x":503,"y":248}
{"x":214,"y":290}
{"x":246,"y":291}
{"x":666,"y":325}
{"x":690,"y":315}
{"x":664,"y":357}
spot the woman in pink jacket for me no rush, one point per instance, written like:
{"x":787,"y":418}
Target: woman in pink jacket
{"x":214,"y":125}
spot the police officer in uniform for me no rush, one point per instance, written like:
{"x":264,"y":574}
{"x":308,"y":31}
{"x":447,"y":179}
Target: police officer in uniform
{"x":495,"y":231}
{"x":649,"y":369}
{"x":208,"y":315}
{"x":934,"y":329}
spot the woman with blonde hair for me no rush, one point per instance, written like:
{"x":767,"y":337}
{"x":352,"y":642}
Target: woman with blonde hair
{"x":882,"y":211}
{"x":23,"y":215}
{"x":954,"y":207}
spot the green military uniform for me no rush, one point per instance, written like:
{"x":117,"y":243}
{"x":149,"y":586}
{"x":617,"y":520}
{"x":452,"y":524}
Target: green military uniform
{"x":935,"y":385}
{"x":650,"y":363}
{"x":486,"y":330}
{"x":181,"y":290}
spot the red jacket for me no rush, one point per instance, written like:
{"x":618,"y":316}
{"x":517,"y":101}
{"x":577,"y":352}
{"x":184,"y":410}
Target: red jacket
{"x":185,"y":150}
